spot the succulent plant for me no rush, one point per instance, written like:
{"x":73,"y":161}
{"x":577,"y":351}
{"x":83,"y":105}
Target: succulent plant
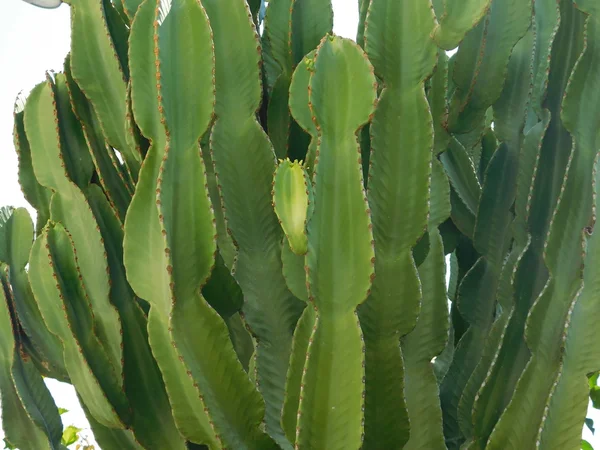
{"x":244,"y":220}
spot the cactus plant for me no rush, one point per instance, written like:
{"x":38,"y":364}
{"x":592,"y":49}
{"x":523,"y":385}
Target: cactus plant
{"x":200,"y":290}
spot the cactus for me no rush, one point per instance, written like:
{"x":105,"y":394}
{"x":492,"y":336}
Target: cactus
{"x":243,"y":222}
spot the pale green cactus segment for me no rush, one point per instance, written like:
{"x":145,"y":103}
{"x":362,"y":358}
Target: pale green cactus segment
{"x":48,"y":291}
{"x":340,"y":286}
{"x":69,"y":206}
{"x":98,"y":72}
{"x":233,"y":405}
{"x":17,"y":233}
{"x":143,"y":246}
{"x":337,"y":245}
{"x":292,"y":191}
{"x":299,"y":106}
{"x":30,"y":418}
{"x":429,"y":337}
{"x":106,"y":164}
{"x":481,"y":62}
{"x":457,"y":19}
{"x":44,"y":139}
{"x":244,"y":165}
{"x":152,"y":420}
{"x":185,"y":119}
{"x":563,"y":249}
{"x":330,"y":407}
{"x":36,"y":194}
{"x":398,"y":192}
{"x":130,"y":7}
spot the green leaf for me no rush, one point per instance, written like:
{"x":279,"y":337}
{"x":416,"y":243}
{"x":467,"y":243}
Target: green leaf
{"x":70,"y":435}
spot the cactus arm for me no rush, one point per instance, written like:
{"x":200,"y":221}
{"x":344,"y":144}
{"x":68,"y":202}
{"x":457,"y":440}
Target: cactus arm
{"x":78,"y":162}
{"x":398,"y":187}
{"x":30,"y":417}
{"x":152,"y":422}
{"x":36,"y":194}
{"x":110,"y":437}
{"x":481,"y":62}
{"x":293,"y":28}
{"x":458,"y":18}
{"x":225,"y":243}
{"x":329,"y":417}
{"x":244,"y":166}
{"x":429,"y":337}
{"x":562,"y":252}
{"x":299,"y":103}
{"x":97,"y":70}
{"x":48,"y":291}
{"x":143,"y":244}
{"x":69,"y":206}
{"x":18,"y":237}
{"x":112,"y":181}
{"x":233,"y":405}
{"x":568,"y":404}
{"x":462,"y":174}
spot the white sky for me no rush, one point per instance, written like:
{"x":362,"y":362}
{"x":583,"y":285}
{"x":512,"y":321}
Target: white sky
{"x":33,"y":40}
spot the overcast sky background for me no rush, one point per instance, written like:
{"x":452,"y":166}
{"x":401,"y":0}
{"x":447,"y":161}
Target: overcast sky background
{"x":33,"y":40}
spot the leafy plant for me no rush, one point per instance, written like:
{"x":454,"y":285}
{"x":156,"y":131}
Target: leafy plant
{"x":201,"y":290}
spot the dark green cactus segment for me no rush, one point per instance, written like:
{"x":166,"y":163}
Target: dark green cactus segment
{"x":104,"y":159}
{"x":568,"y":404}
{"x":429,"y":337}
{"x":30,"y":417}
{"x":398,"y":188}
{"x":244,"y":166}
{"x":293,"y":28}
{"x":302,"y":337}
{"x":119,"y":33}
{"x":563,"y":253}
{"x":78,"y":162}
{"x":477,"y":292}
{"x":480,"y":70}
{"x":543,"y":161}
{"x":462,"y":174}
{"x":110,"y":437}
{"x":98,"y":72}
{"x":456,"y":19}
{"x":16,"y":238}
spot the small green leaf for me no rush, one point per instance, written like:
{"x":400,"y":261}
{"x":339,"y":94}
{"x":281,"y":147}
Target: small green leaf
{"x":70,"y":435}
{"x":62,"y":411}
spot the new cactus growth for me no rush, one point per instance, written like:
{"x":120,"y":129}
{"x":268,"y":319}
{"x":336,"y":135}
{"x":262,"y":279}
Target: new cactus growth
{"x":243,"y":220}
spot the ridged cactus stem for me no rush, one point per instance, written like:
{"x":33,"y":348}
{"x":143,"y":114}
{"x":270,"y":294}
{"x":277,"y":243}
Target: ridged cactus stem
{"x":340,"y":257}
{"x":398,"y":191}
